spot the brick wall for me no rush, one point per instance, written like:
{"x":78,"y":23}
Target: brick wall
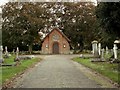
{"x":47,"y":45}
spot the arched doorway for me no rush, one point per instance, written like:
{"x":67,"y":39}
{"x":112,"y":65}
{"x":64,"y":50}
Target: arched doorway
{"x":55,"y":48}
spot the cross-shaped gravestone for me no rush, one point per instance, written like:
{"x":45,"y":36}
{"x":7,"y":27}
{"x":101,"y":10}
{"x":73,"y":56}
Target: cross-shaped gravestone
{"x":1,"y":58}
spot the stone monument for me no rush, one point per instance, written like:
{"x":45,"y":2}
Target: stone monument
{"x":115,"y":51}
{"x":17,"y":53}
{"x":1,"y":57}
{"x":95,"y":48}
{"x":107,"y":50}
{"x":102,"y":56}
{"x":6,"y":52}
{"x":99,"y":49}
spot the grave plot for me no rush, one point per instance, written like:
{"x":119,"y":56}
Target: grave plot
{"x":14,"y":65}
{"x":102,"y":55}
{"x":16,"y":69}
{"x":104,"y":61}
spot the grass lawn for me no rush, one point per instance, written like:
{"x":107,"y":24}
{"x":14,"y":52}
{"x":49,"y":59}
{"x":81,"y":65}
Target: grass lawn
{"x":9,"y":72}
{"x":104,"y":68}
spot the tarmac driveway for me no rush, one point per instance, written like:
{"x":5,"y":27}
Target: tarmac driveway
{"x":55,"y":71}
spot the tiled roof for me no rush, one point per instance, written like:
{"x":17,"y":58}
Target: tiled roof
{"x":59,"y":32}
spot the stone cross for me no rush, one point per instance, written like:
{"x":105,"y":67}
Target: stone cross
{"x":95,"y":48}
{"x":115,"y":51}
{"x":17,"y":52}
{"x":102,"y":56}
{"x":1,"y":58}
{"x":99,"y":49}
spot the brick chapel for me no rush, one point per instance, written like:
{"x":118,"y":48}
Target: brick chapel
{"x":56,"y":42}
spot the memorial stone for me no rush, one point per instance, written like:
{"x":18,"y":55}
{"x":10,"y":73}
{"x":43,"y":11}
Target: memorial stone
{"x":99,"y":49}
{"x":1,"y":57}
{"x":107,"y":50}
{"x":95,"y":48}
{"x":17,"y":53}
{"x":115,"y":51}
{"x":102,"y":56}
{"x":6,"y":52}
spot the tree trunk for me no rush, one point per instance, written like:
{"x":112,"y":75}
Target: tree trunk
{"x":30,"y":48}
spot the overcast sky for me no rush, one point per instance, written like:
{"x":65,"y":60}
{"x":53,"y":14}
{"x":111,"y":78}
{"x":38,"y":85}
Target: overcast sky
{"x":2,"y":2}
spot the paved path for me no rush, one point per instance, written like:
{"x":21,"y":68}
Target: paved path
{"x":55,"y":71}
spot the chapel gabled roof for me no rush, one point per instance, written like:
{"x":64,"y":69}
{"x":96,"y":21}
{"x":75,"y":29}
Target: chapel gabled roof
{"x":59,"y":32}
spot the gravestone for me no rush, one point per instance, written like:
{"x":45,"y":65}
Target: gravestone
{"x":95,"y":48}
{"x":1,"y":57}
{"x":6,"y":52}
{"x":17,"y":53}
{"x":13,"y":51}
{"x":115,"y":51}
{"x":107,"y":50}
{"x":111,"y":51}
{"x":99,"y":49}
{"x":102,"y":56}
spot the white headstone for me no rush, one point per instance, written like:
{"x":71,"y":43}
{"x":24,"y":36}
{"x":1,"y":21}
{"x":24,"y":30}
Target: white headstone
{"x":115,"y":51}
{"x":95,"y":48}
{"x":99,"y":49}
{"x":5,"y":48}
{"x":17,"y":49}
{"x":6,"y":52}
{"x":17,"y":52}
{"x":1,"y":50}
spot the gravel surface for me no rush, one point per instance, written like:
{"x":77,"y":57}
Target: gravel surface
{"x":55,"y":71}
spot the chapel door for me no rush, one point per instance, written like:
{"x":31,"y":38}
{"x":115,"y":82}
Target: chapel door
{"x":55,"y":48}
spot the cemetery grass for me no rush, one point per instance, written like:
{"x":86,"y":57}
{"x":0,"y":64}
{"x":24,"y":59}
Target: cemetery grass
{"x":10,"y":72}
{"x":109,"y":70}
